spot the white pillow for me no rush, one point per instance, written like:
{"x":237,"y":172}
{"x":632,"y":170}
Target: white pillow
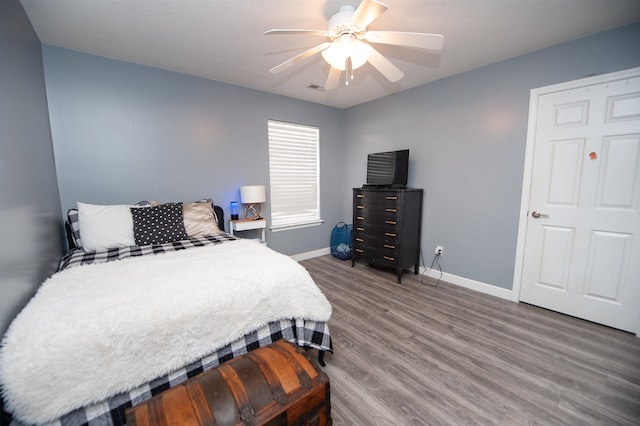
{"x":104,"y":227}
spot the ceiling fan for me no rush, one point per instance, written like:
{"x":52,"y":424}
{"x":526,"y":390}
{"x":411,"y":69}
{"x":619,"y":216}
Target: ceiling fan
{"x":349,"y":45}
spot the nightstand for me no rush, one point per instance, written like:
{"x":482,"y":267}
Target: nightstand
{"x":241,"y":225}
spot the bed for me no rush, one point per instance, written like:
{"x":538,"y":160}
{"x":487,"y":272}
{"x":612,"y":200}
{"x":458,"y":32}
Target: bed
{"x":118,"y":325}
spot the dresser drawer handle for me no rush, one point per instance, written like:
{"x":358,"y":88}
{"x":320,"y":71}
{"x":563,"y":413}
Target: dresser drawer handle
{"x":389,"y":258}
{"x":390,"y":222}
{"x":360,"y":240}
{"x":392,"y":210}
{"x":359,"y":250}
{"x":359,"y":229}
{"x":360,"y":207}
{"x":360,"y":196}
{"x":389,"y":234}
{"x":389,"y":246}
{"x":389,"y":197}
{"x":360,"y":218}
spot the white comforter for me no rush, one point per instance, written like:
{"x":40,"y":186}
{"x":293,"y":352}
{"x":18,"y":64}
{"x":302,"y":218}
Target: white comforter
{"x":96,"y":330}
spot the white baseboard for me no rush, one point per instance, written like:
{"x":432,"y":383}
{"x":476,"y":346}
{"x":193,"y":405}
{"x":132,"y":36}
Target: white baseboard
{"x":470,"y":284}
{"x":492,"y":290}
{"x":311,"y":254}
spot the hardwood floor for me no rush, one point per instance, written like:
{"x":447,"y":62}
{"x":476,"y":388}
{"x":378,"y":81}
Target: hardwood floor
{"x":411,"y":354}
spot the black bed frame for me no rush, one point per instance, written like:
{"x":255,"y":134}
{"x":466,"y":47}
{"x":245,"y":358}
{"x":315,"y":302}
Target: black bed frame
{"x":220,"y":215}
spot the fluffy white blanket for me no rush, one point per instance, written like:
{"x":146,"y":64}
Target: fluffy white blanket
{"x":96,"y":330}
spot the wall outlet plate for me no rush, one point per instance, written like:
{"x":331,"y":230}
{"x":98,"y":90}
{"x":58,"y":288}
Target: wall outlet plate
{"x":439,"y":250}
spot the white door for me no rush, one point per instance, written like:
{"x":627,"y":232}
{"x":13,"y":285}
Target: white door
{"x":581,"y":250}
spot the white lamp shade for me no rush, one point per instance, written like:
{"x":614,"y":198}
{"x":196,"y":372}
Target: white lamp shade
{"x":336,"y":55}
{"x":252,"y":194}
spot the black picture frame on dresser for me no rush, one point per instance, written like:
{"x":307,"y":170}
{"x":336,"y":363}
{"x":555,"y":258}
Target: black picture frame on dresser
{"x":387,"y":227}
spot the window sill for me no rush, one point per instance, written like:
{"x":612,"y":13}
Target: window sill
{"x":296,"y":226}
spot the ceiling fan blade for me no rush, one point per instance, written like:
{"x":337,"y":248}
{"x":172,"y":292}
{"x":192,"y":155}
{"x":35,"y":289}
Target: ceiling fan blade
{"x":308,"y":32}
{"x":333,"y":79}
{"x":419,"y":40}
{"x":367,"y":12}
{"x":386,"y":68}
{"x":304,"y":55}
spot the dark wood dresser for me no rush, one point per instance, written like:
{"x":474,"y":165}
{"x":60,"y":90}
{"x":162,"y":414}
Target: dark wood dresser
{"x":387,"y":224}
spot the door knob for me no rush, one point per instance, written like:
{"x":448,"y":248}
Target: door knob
{"x":536,"y":214}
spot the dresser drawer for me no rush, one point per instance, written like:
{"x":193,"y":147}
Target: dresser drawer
{"x":384,"y":234}
{"x":376,"y":199}
{"x":376,"y":209}
{"x":373,"y":217}
{"x":377,"y":246}
{"x":375,"y":256}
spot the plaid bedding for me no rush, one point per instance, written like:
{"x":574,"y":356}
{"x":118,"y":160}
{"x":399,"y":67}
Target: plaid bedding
{"x":78,"y":256}
{"x":109,"y":412}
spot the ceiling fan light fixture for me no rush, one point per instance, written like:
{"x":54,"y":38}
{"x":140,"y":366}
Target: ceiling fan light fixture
{"x":347,"y":46}
{"x":343,"y":17}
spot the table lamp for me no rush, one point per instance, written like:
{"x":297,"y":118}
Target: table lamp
{"x":253,"y":196}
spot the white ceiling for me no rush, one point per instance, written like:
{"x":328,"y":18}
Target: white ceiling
{"x":223,"y":40}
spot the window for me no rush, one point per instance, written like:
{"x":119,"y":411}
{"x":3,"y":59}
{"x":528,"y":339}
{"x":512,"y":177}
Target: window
{"x":294,"y":173}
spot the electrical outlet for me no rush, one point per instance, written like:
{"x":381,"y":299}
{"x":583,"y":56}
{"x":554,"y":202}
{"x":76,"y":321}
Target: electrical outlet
{"x":439,"y":250}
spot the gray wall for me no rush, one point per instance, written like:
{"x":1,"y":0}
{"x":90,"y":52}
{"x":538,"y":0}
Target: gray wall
{"x":29,"y":205}
{"x":467,"y":138}
{"x":124,"y":132}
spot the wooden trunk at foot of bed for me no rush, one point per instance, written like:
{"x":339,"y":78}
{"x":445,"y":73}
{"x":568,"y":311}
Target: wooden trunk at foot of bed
{"x":274,"y":385}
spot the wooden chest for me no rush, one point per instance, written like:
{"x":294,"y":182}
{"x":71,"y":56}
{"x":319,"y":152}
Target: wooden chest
{"x":274,"y":385}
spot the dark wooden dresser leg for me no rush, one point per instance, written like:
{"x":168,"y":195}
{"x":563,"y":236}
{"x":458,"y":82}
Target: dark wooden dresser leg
{"x":321,"y":358}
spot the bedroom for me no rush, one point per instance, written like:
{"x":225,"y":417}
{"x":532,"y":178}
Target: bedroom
{"x":104,"y":99}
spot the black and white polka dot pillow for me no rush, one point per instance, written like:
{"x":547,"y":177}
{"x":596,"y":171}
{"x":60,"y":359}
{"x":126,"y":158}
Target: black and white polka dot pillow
{"x":158,"y":224}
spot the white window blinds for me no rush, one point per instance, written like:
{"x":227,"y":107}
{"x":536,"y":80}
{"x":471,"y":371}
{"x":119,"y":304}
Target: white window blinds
{"x":294,"y":169}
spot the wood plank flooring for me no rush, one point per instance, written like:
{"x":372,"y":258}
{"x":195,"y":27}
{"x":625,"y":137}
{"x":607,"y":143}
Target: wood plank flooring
{"x":412,"y":354}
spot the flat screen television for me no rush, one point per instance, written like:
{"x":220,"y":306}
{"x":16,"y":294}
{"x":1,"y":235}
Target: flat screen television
{"x":388,"y":169}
